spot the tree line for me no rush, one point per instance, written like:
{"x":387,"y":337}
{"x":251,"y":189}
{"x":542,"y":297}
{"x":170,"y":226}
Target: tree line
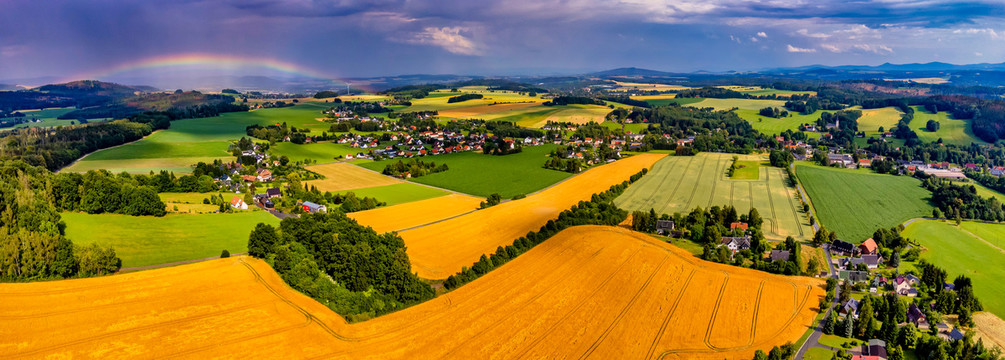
{"x":600,"y":210}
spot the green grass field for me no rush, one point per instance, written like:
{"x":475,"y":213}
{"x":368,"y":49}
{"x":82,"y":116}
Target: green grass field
{"x":857,"y":202}
{"x":634,"y":128}
{"x":958,"y":250}
{"x":818,"y":353}
{"x":773,"y":126}
{"x":951,"y":131}
{"x":746,"y":170}
{"x":147,"y":240}
{"x":482,"y":175}
{"x":873,"y":119}
{"x":681,"y":183}
{"x":398,"y":193}
{"x":320,"y":153}
{"x":745,"y":104}
{"x":49,"y":118}
{"x":763,"y":91}
{"x":437,"y":100}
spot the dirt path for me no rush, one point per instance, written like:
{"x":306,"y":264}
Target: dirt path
{"x":148,"y":267}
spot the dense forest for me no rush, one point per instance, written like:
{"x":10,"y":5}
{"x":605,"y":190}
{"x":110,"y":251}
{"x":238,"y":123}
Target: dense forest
{"x":464,"y":97}
{"x":33,"y":245}
{"x":350,"y":268}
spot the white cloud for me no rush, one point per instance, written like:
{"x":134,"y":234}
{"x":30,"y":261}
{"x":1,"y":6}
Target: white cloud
{"x":807,"y":33}
{"x":989,"y":31}
{"x":448,"y":38}
{"x":736,"y":39}
{"x":878,"y":49}
{"x":794,"y":49}
{"x":831,"y":48}
{"x":762,"y":34}
{"x":978,"y":54}
{"x":754,"y":39}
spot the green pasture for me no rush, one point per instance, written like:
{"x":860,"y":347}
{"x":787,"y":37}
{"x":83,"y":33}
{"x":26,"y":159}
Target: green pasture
{"x":959,"y":249}
{"x":743,"y":104}
{"x":773,"y":126}
{"x":320,"y":153}
{"x":682,"y":183}
{"x":148,"y":240}
{"x":951,"y":130}
{"x":398,"y":193}
{"x":482,"y":175}
{"x":855,"y":203}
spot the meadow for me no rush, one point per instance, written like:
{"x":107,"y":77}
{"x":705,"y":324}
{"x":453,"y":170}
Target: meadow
{"x":589,"y":291}
{"x":743,"y":104}
{"x":773,"y":126}
{"x":191,"y":203}
{"x":442,"y":249}
{"x":398,"y":193}
{"x":958,"y":249}
{"x":951,"y":130}
{"x":49,"y":118}
{"x":148,"y":240}
{"x":478,"y":174}
{"x":873,"y":119}
{"x":682,"y":183}
{"x":855,"y":203}
{"x":319,"y":153}
{"x":663,"y":100}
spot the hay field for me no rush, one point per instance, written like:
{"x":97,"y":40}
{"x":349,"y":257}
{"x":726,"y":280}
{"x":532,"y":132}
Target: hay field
{"x":872,"y":119}
{"x":416,"y":213}
{"x":773,"y":126}
{"x":578,"y":114}
{"x":440,"y":250}
{"x":743,"y":104}
{"x":590,"y":291}
{"x":343,"y":176}
{"x":990,"y":328}
{"x":629,"y":86}
{"x":481,"y":110}
{"x":681,"y":183}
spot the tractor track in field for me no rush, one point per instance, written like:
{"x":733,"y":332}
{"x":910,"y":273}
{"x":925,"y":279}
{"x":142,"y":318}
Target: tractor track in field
{"x":715,"y":311}
{"x":696,"y":183}
{"x":624,"y":310}
{"x":795,"y":212}
{"x":677,"y":186}
{"x":715,"y":184}
{"x":771,"y":202}
{"x":673,"y":310}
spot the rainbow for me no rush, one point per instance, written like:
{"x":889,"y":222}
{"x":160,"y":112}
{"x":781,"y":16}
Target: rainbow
{"x":208,"y":60}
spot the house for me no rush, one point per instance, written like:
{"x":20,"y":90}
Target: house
{"x":901,"y":285}
{"x":779,"y":255}
{"x":273,"y":193}
{"x":872,"y":261}
{"x":314,"y":208}
{"x":249,"y":178}
{"x":664,"y":226}
{"x":735,"y":244}
{"x":867,"y":357}
{"x":849,"y":307}
{"x":851,"y":263}
{"x":915,"y":316}
{"x":914,"y":280}
{"x":874,"y":347}
{"x":853,"y":276}
{"x":738,"y":225}
{"x":956,"y":334}
{"x":238,"y":203}
{"x":264,"y":175}
{"x":864,"y":163}
{"x":868,"y":247}
{"x":842,"y":248}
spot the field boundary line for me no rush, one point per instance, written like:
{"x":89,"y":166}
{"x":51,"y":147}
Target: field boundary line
{"x":757,"y":313}
{"x":673,"y":310}
{"x":715,"y":183}
{"x":174,"y":263}
{"x":982,"y":239}
{"x":662,"y":181}
{"x":771,"y":202}
{"x":411,"y":182}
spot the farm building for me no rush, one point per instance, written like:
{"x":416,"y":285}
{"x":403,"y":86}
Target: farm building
{"x":779,"y":255}
{"x":314,"y":208}
{"x":842,"y":248}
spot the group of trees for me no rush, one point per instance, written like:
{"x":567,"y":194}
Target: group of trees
{"x":99,"y":192}
{"x":781,"y":158}
{"x":573,"y":100}
{"x":464,"y":97}
{"x":413,"y":168}
{"x":711,"y":129}
{"x":58,"y":147}
{"x":962,"y":202}
{"x":773,"y":112}
{"x":600,"y":210}
{"x":33,"y":245}
{"x":350,"y":268}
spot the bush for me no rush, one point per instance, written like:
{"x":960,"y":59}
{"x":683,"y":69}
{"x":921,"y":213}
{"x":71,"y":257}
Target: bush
{"x":225,"y":254}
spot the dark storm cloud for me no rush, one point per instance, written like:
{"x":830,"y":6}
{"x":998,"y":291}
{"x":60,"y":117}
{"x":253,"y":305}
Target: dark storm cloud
{"x":360,"y":38}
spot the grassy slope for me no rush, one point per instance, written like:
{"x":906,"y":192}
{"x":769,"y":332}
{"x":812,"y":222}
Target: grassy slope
{"x":772,"y":126}
{"x":398,"y":193}
{"x":857,"y":202}
{"x":318,"y":152}
{"x":952,"y":131}
{"x":748,"y":104}
{"x":481,"y":175}
{"x":959,"y":252}
{"x":146,"y":240}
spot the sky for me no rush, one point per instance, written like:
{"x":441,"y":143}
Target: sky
{"x":351,"y":38}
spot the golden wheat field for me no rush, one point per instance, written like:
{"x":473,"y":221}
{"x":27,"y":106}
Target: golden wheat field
{"x":590,"y":291}
{"x":422,"y":212}
{"x":441,"y":249}
{"x":343,"y":176}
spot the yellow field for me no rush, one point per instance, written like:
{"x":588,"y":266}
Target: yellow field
{"x":628,"y":86}
{"x":416,"y":213}
{"x":343,"y":176}
{"x":365,"y":98}
{"x":990,"y":328}
{"x":872,"y":119}
{"x":600,"y":292}
{"x":581,"y":115}
{"x":440,"y":250}
{"x":476,"y":111}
